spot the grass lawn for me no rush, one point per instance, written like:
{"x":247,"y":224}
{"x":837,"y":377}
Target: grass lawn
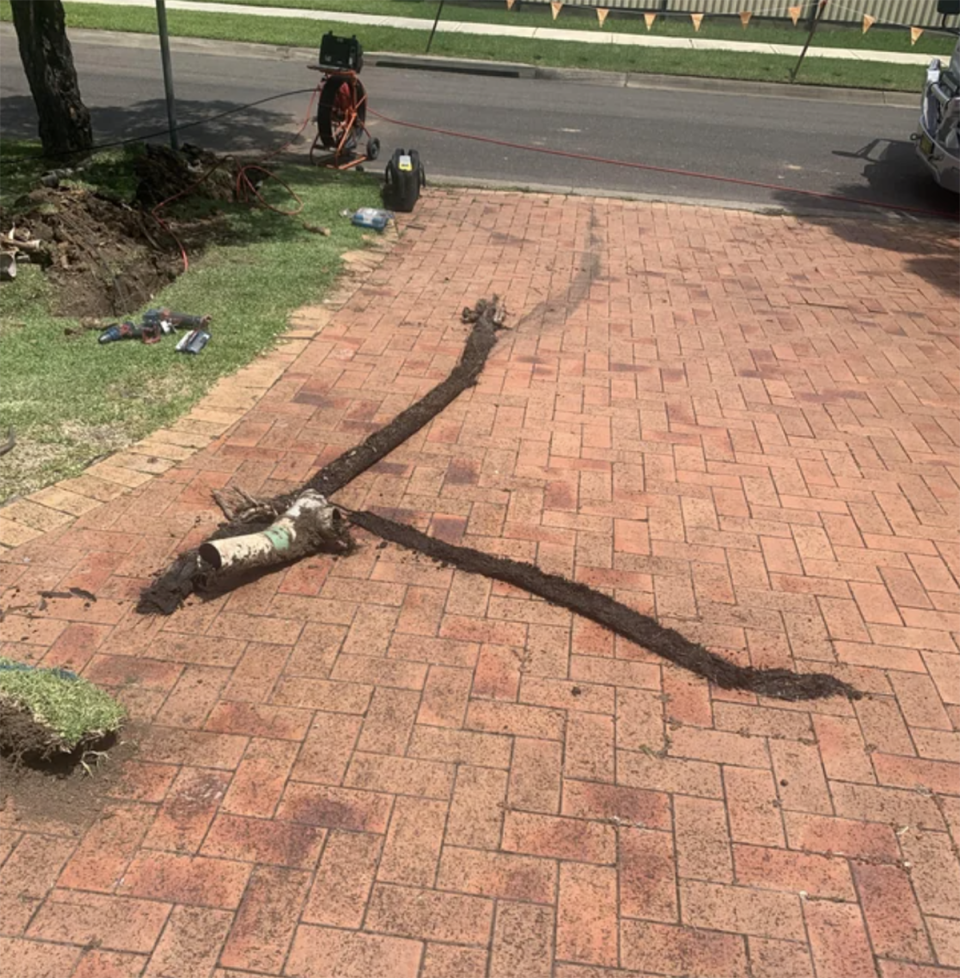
{"x":726,"y":28}
{"x":70,"y":399}
{"x":299,"y":33}
{"x":67,"y":710}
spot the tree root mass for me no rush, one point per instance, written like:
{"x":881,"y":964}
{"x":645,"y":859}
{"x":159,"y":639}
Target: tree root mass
{"x":190,"y":573}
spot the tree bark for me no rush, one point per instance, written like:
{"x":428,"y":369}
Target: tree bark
{"x":48,"y":64}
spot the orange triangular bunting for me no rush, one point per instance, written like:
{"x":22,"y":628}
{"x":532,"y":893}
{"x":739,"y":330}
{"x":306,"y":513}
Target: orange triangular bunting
{"x":697,"y":21}
{"x":794,"y":14}
{"x":602,"y":15}
{"x":868,"y":22}
{"x":556,"y":8}
{"x":745,"y":16}
{"x":915,"y":33}
{"x":510,"y":4}
{"x":648,"y":19}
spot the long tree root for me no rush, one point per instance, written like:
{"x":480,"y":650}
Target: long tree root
{"x":486,"y":319}
{"x":246,"y":514}
{"x":582,"y":600}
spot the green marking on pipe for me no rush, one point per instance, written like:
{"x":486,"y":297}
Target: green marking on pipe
{"x":279,"y":536}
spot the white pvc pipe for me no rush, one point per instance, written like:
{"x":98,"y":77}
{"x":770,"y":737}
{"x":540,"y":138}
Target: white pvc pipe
{"x":278,"y":541}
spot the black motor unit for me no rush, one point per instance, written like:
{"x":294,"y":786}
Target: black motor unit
{"x":341,"y":52}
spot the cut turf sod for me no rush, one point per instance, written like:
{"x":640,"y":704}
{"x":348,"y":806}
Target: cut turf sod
{"x":44,"y":712}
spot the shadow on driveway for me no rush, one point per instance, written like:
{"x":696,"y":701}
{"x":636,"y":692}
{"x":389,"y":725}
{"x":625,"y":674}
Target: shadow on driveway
{"x":892,"y":172}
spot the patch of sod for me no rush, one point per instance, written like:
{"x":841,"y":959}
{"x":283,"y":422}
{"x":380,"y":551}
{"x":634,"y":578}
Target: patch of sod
{"x":66,"y":711}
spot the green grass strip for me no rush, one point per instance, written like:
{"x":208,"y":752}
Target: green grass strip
{"x":297,"y":32}
{"x":70,"y":399}
{"x":73,"y":710}
{"x":714,"y":28}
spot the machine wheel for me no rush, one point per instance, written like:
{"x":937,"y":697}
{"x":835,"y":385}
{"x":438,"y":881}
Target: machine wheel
{"x":332,"y":113}
{"x":373,"y":148}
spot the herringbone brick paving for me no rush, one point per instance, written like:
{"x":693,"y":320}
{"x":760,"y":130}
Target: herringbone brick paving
{"x":377,"y":766}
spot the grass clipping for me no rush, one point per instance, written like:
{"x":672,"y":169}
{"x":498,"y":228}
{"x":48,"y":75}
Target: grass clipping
{"x":50,"y":711}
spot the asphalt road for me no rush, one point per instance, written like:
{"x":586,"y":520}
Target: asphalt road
{"x":847,"y":148}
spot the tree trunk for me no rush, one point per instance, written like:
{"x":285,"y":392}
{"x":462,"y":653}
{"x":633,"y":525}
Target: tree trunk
{"x":48,"y":64}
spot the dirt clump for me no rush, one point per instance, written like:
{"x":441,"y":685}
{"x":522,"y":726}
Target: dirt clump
{"x":40,"y":793}
{"x":105,"y":256}
{"x":101,"y":259}
{"x":163,"y":173}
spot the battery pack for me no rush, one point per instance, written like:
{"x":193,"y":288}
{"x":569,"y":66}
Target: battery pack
{"x":404,"y":179}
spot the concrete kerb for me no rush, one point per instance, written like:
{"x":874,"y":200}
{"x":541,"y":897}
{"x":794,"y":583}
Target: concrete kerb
{"x":506,"y":69}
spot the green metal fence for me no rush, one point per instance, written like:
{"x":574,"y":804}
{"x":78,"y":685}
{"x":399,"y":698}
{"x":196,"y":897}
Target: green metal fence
{"x":909,"y":13}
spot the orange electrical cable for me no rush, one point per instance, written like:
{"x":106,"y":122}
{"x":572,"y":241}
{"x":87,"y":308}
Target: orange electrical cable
{"x":569,"y":154}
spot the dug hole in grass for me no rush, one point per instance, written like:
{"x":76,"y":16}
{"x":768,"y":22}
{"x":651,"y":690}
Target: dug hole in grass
{"x":48,"y":712}
{"x":72,"y":400}
{"x":297,"y":32}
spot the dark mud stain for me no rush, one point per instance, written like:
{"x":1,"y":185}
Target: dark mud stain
{"x":555,"y":309}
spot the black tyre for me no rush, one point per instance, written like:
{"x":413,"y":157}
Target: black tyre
{"x":373,"y":148}
{"x":331,"y":114}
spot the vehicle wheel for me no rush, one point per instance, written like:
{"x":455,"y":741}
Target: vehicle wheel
{"x":373,"y":148}
{"x":336,"y":101}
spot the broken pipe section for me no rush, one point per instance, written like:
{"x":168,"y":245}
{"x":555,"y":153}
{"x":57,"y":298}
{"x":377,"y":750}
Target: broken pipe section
{"x":308,"y":524}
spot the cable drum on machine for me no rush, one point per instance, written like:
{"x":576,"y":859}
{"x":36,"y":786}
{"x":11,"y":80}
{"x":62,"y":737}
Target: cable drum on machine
{"x":342,"y":107}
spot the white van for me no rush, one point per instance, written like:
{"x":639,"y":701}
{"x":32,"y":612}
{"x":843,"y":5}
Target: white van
{"x":938,"y":135}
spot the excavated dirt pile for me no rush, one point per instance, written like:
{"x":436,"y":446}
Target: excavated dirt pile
{"x":106,"y":257}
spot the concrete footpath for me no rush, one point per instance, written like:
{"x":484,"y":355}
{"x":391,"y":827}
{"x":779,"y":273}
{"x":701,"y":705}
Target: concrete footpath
{"x":538,"y":33}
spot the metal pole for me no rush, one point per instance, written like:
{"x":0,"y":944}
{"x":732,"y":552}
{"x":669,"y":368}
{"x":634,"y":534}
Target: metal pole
{"x":436,"y":20}
{"x":167,"y":72}
{"x":813,"y":30}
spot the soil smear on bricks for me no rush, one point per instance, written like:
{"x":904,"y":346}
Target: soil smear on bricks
{"x":38,"y":789}
{"x":584,"y":601}
{"x":189,"y":573}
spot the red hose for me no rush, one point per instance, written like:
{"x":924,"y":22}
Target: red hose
{"x":569,"y":154}
{"x":163,"y":203}
{"x":245,"y":187}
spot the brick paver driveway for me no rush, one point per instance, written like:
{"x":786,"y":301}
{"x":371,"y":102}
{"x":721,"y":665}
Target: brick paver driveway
{"x":376,"y":766}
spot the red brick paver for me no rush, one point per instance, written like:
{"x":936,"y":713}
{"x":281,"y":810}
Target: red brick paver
{"x":374,"y":766}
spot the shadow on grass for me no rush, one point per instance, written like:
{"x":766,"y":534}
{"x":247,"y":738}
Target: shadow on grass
{"x":891,"y":172}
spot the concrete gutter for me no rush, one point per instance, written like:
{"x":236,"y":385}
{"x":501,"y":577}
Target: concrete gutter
{"x":502,"y":69}
{"x":620,"y":79}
